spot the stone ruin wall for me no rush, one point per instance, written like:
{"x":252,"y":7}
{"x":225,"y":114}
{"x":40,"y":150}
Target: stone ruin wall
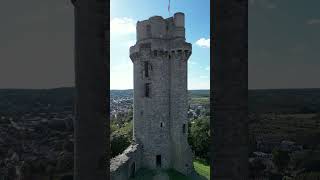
{"x":125,"y":165}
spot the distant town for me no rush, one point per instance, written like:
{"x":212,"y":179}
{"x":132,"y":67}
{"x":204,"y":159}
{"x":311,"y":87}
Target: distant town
{"x":36,"y":129}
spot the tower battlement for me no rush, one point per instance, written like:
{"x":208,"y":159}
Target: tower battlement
{"x":183,"y":51}
{"x":159,"y":37}
{"x":158,"y":27}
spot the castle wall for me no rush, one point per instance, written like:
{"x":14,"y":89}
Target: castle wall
{"x":125,"y":165}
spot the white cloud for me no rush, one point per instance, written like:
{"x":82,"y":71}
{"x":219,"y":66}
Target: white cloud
{"x":121,"y":75}
{"x":192,"y":62}
{"x":313,"y":21}
{"x":205,"y":43}
{"x":131,"y":43}
{"x":196,"y":84}
{"x":123,"y":25}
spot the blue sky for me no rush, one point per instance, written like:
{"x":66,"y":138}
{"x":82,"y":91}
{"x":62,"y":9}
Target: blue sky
{"x":38,"y":42}
{"x":125,"y":14}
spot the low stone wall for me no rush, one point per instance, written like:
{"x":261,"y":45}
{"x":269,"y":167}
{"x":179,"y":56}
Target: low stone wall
{"x":125,"y":165}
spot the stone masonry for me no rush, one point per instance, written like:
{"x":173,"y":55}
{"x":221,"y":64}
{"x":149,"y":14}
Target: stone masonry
{"x":160,"y":98}
{"x":160,"y":93}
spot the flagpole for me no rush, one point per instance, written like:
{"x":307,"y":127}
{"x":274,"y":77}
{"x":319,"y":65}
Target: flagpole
{"x":169,"y":8}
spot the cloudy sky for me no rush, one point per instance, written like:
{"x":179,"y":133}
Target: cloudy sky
{"x":284,"y":49}
{"x":36,"y":42}
{"x":125,"y":14}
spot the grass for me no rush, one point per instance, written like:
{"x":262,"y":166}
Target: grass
{"x":146,"y":174}
{"x":202,"y":168}
{"x":200,"y":100}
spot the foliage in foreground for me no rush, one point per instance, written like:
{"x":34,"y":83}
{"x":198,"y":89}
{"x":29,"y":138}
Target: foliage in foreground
{"x":309,"y":176}
{"x":199,"y":137}
{"x":280,"y":159}
{"x":121,"y":134}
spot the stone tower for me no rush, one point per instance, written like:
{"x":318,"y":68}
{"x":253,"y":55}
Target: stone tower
{"x":160,"y":93}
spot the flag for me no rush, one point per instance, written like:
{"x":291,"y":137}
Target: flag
{"x":169,"y":7}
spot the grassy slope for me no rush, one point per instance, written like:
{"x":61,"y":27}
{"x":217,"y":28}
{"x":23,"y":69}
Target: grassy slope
{"x":146,"y":174}
{"x":201,"y":168}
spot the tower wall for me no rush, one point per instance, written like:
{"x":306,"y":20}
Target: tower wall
{"x":179,"y":107}
{"x":150,"y":113}
{"x":159,"y":118}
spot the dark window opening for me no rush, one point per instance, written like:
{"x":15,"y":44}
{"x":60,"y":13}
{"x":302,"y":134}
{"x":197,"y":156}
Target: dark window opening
{"x":184,"y":128}
{"x":186,"y":52}
{"x":155,"y":53}
{"x":146,"y":69}
{"x":147,"y":90}
{"x":67,"y":177}
{"x":161,"y":124}
{"x":132,"y":170}
{"x":148,"y":30}
{"x":158,"y":160}
{"x":169,"y":56}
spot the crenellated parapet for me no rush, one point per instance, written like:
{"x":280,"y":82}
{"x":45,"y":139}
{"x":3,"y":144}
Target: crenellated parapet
{"x":183,"y":52}
{"x":168,"y":49}
{"x":157,"y":27}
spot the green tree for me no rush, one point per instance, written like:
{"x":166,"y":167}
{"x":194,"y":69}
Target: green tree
{"x":280,"y":158}
{"x":119,"y":143}
{"x":199,"y":137}
{"x":121,"y":138}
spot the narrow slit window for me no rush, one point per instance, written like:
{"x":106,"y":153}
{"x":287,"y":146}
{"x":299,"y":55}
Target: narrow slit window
{"x":148,"y":30}
{"x":184,"y":128}
{"x":146,"y":69}
{"x":147,"y":90}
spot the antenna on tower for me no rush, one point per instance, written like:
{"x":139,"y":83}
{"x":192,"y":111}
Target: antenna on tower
{"x":169,"y":8}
